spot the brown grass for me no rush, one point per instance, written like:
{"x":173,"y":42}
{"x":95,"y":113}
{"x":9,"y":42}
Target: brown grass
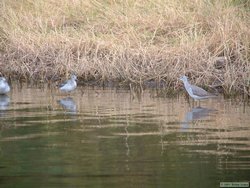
{"x":132,"y":41}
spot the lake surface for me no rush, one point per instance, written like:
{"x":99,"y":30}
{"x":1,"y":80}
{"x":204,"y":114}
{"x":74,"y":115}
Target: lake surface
{"x":115,"y":138}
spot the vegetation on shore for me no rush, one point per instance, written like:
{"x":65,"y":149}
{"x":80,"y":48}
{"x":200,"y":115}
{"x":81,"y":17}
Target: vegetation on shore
{"x":130,"y":41}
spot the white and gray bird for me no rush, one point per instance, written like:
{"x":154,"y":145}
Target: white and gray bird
{"x":195,"y":92}
{"x":69,"y":85}
{"x":4,"y":86}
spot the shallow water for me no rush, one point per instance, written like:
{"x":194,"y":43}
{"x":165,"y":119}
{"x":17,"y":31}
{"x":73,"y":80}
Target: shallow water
{"x":111,"y":138}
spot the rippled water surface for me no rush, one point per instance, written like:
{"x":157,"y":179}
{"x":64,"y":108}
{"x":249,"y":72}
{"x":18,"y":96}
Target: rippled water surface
{"x":115,"y":138}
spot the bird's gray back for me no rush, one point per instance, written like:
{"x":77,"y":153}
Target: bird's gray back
{"x":199,"y":91}
{"x":64,"y":83}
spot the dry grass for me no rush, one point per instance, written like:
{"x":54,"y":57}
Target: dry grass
{"x":132,"y":41}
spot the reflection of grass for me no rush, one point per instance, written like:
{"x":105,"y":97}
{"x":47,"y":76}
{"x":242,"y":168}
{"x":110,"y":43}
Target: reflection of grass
{"x":132,"y":41}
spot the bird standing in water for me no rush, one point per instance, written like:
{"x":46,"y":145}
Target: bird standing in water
{"x":4,"y":86}
{"x":197,"y":93}
{"x":69,"y":85}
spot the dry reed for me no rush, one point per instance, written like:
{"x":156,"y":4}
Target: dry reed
{"x":132,"y":41}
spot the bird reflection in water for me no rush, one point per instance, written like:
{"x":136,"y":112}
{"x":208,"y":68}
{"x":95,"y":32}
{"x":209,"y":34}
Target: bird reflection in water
{"x":68,"y":104}
{"x":196,"y":113}
{"x":4,"y":103}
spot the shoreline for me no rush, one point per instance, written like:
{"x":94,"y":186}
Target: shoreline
{"x":162,"y":89}
{"x":170,"y":85}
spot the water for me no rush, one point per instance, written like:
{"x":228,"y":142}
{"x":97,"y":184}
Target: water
{"x":113,"y":138}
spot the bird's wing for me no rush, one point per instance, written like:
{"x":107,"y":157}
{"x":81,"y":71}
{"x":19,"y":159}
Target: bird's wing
{"x":63,"y":84}
{"x":199,"y":91}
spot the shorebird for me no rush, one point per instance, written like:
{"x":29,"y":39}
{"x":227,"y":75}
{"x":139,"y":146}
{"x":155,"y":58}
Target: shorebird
{"x":195,"y":92}
{"x":4,"y":86}
{"x":69,"y":85}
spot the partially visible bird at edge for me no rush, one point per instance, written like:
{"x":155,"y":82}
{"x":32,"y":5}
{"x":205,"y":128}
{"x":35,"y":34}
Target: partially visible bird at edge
{"x":4,"y":86}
